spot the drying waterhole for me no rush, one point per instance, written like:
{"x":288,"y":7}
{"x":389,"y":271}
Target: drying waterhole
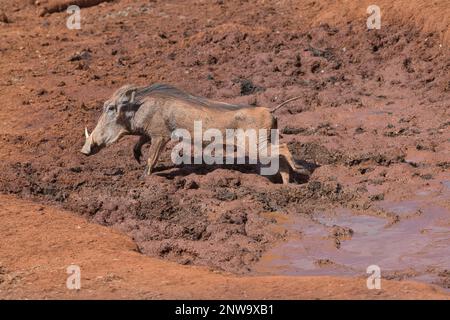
{"x":35,"y":256}
{"x":415,"y":245}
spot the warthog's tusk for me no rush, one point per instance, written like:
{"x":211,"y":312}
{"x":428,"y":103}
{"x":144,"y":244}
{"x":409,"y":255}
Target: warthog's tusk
{"x":132,"y":96}
{"x":86,"y":133}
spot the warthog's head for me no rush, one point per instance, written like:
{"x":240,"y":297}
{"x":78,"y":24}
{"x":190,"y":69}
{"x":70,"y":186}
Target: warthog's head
{"x":114,"y":122}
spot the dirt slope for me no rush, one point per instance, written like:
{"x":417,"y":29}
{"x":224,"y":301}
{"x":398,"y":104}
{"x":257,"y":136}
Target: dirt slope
{"x":426,"y":16}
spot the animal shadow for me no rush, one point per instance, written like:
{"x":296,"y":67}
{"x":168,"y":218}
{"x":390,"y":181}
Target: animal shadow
{"x":182,"y":170}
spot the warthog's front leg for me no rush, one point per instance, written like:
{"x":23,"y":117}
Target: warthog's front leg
{"x":158,"y":144}
{"x":138,"y":146}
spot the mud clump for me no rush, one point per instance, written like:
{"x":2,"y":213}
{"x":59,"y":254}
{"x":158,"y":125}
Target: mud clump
{"x":314,"y":192}
{"x":340,"y":233}
{"x":61,"y":5}
{"x":444,"y":279}
{"x":4,"y":18}
{"x":315,"y":153}
{"x":247,"y":87}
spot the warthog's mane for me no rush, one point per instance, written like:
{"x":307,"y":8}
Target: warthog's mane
{"x":169,"y":92}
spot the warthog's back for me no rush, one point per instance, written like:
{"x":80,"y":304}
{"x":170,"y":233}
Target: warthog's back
{"x":180,"y":109}
{"x":169,"y":92}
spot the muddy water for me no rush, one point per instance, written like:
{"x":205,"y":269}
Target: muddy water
{"x":412,"y":243}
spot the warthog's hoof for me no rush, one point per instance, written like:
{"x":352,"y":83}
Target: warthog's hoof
{"x":148,"y":171}
{"x":144,"y":174}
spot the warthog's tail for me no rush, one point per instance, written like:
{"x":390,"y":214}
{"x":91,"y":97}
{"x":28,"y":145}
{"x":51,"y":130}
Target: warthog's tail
{"x":284,"y":103}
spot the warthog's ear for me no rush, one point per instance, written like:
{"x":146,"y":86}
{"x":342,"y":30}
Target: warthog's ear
{"x":128,"y":103}
{"x":125,"y":94}
{"x":129,"y":94}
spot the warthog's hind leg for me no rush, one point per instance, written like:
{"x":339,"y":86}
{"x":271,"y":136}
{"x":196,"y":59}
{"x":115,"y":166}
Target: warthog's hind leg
{"x":284,"y":152}
{"x":287,"y":162}
{"x":284,"y":170}
{"x":138,"y":146}
{"x":158,"y":144}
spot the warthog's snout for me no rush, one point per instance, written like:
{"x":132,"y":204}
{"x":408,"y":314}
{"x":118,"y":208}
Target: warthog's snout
{"x":89,"y":146}
{"x":86,"y":149}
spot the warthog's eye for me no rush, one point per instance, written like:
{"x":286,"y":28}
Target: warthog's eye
{"x":111,"y":108}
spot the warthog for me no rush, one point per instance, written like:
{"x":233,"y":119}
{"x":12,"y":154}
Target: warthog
{"x":154,"y":112}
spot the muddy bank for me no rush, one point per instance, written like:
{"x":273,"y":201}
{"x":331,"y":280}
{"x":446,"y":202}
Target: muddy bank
{"x":35,"y":256}
{"x":213,"y":218}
